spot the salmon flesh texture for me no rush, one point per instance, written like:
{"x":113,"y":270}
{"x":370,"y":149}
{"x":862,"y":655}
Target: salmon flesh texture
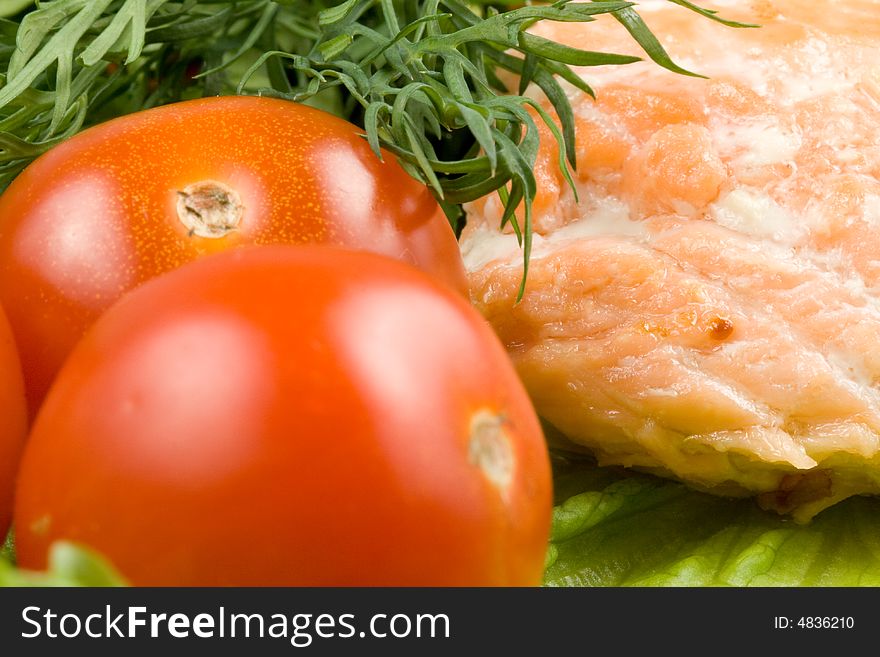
{"x":710,"y":307}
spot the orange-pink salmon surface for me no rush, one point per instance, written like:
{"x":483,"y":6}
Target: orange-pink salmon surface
{"x":710,"y":307}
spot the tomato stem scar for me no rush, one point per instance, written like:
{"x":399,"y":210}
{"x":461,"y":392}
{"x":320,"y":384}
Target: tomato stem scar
{"x":490,"y":450}
{"x":209,"y":209}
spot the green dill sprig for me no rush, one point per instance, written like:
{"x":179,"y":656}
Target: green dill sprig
{"x":422,"y":77}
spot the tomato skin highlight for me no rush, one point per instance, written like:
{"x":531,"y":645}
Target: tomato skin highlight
{"x":13,"y":421}
{"x":101,"y":213}
{"x":291,"y":416}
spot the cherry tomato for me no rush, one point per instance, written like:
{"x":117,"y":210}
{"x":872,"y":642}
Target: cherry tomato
{"x":291,"y":416}
{"x":145,"y":193}
{"x":13,"y":421}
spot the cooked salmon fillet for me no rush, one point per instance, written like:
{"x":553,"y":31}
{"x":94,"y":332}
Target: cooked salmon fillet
{"x":710,"y":308}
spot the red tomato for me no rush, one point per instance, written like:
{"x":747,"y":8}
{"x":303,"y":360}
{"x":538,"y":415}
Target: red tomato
{"x":291,"y":416}
{"x":143,"y":194}
{"x":13,"y":422}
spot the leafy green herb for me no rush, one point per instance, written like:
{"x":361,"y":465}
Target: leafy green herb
{"x":423,"y":77}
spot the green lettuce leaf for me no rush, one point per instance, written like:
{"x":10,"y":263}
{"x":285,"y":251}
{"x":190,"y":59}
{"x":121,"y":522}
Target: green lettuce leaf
{"x":612,"y":528}
{"x":12,"y":7}
{"x":69,"y":565}
{"x":7,"y":552}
